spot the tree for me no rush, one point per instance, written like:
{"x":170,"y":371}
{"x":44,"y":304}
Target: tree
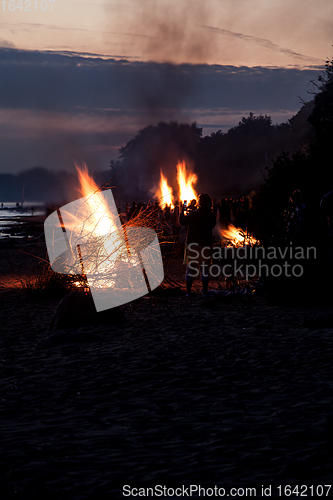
{"x":154,"y":148}
{"x":231,"y":162}
{"x":308,"y":170}
{"x":322,"y":115}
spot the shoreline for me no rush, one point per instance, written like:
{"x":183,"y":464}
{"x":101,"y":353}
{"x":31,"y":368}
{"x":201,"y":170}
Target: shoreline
{"x":28,"y":228}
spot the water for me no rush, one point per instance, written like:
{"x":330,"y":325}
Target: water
{"x":11,"y":215}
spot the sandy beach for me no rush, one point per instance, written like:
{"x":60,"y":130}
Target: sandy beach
{"x":229,"y":391}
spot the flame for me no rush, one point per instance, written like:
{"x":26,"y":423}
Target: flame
{"x":87,"y":184}
{"x":185,"y":183}
{"x":97,"y":226}
{"x":97,"y":241}
{"x":237,"y":237}
{"x":101,"y":218}
{"x":165,"y":192}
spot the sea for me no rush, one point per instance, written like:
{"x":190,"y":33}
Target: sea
{"x":12,"y":214}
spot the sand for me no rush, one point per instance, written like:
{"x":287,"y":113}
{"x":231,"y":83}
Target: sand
{"x":233,"y":392}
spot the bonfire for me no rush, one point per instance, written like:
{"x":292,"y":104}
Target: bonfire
{"x":164,"y":192}
{"x":236,"y":237}
{"x":186,"y":180}
{"x":95,"y":243}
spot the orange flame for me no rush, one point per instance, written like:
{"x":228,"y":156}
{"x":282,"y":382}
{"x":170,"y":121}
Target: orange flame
{"x":97,"y":226}
{"x":185,"y":183}
{"x":87,"y":184}
{"x":237,"y":237}
{"x":101,"y":219}
{"x":165,"y":192}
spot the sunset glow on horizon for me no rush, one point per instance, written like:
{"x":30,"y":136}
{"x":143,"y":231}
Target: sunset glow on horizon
{"x":80,"y":79}
{"x":250,"y":34}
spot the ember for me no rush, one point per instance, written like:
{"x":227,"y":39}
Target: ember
{"x":236,"y":237}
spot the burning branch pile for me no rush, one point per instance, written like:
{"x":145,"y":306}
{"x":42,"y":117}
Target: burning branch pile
{"x":236,"y":237}
{"x":185,"y":180}
{"x":96,"y":243}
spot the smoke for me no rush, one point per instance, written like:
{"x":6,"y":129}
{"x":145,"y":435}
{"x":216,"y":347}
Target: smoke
{"x":260,"y":32}
{"x":172,"y":39}
{"x":4,"y":43}
{"x":265,"y":43}
{"x":174,"y":34}
{"x":165,"y":30}
{"x":167,"y":35}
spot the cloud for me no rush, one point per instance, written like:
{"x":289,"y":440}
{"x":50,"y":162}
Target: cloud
{"x":265,"y":43}
{"x":278,"y":33}
{"x":4,"y":43}
{"x":66,"y":83}
{"x":27,"y":26}
{"x":57,"y":107}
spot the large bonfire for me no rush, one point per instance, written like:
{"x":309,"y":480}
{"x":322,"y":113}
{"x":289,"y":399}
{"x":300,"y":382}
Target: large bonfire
{"x":185,"y":181}
{"x":97,"y":225}
{"x":97,"y":237}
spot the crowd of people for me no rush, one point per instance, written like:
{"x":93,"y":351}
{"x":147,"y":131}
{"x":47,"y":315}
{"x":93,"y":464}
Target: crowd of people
{"x":227,"y":211}
{"x":198,"y":219}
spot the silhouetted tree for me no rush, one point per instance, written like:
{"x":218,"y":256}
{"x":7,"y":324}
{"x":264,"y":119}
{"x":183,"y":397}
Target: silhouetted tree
{"x":232,"y":161}
{"x":154,"y":148}
{"x":309,"y":170}
{"x":322,"y":115}
{"x":39,"y":184}
{"x":9,"y":189}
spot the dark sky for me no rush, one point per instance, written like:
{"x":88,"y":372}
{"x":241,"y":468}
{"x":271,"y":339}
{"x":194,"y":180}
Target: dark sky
{"x":57,"y":108}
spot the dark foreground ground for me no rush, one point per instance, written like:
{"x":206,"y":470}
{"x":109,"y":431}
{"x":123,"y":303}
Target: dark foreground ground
{"x":228,"y":392}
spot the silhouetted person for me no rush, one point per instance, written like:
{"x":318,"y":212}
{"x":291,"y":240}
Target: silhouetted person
{"x":224,"y":213}
{"x":242,"y":213}
{"x":127,"y":210}
{"x":192,"y":206}
{"x":200,"y":224}
{"x":326,"y":207}
{"x":175,"y":222}
{"x":167,"y":212}
{"x":132,"y":210}
{"x":296,"y":217}
{"x":122,"y":216}
{"x":215,"y":206}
